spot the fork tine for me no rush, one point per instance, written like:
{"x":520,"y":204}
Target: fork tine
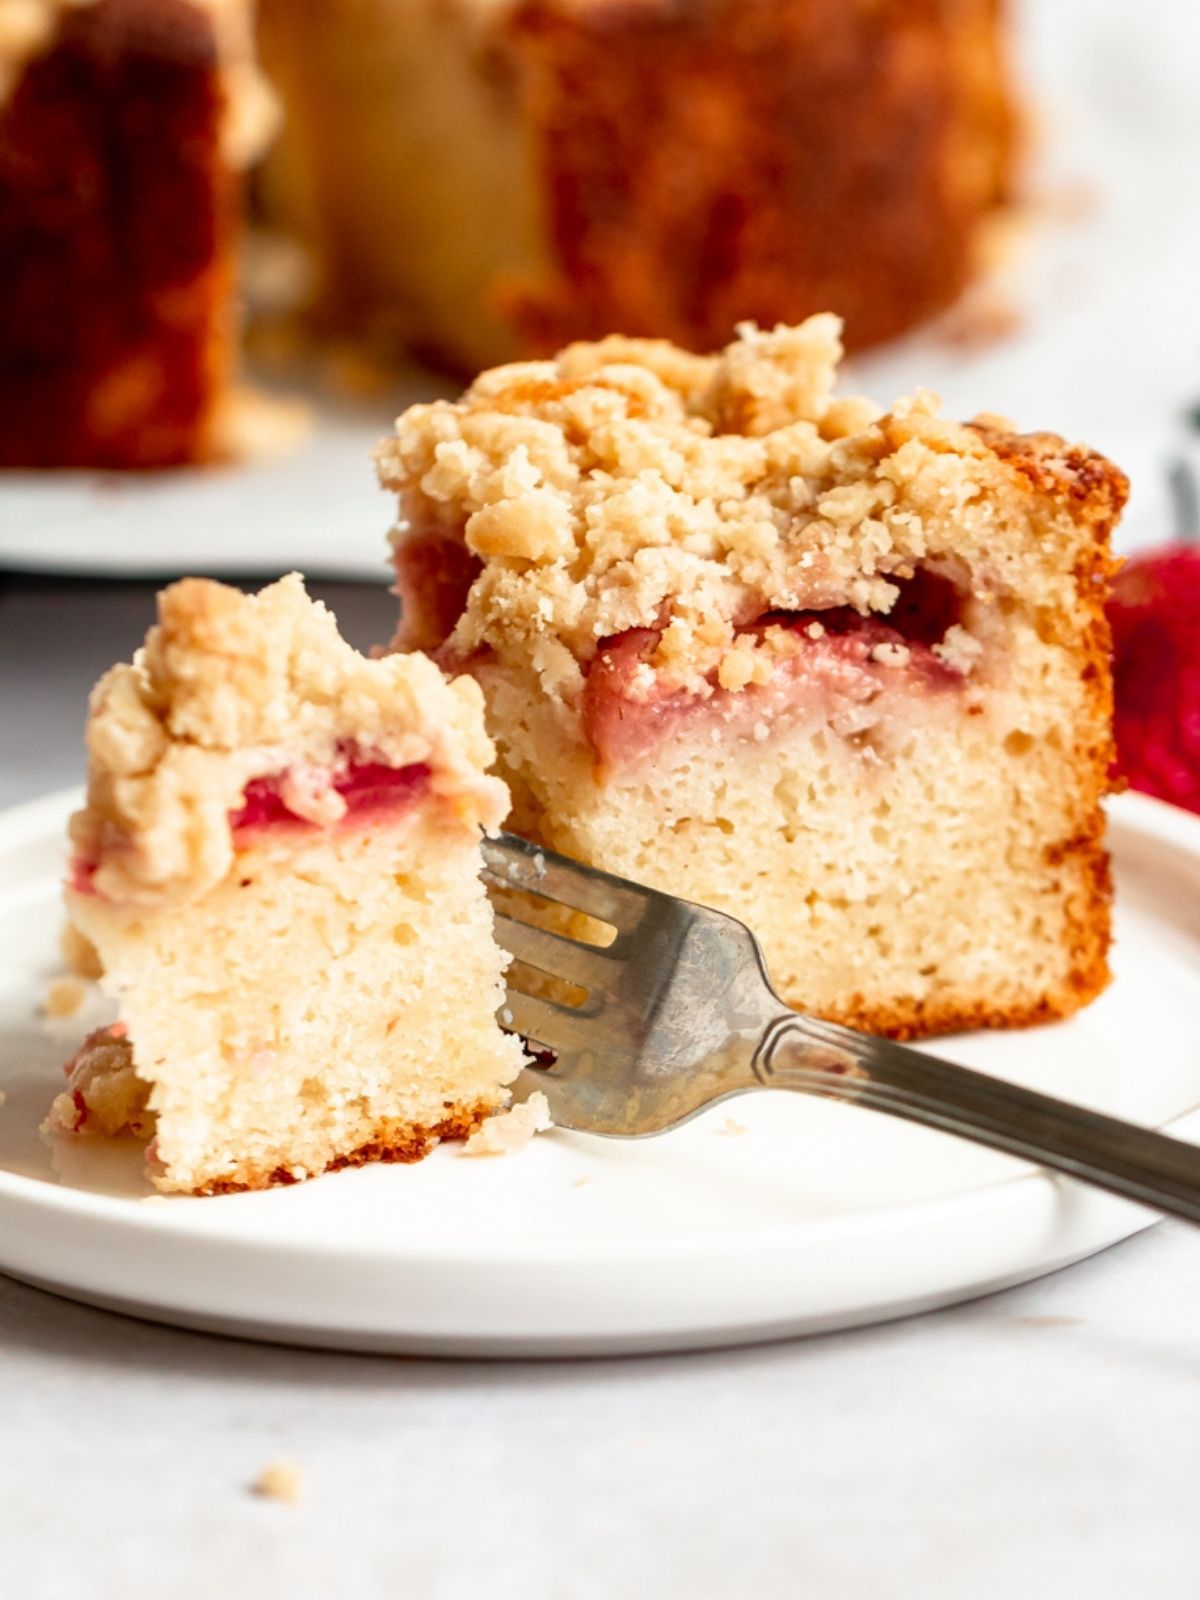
{"x":557,"y":1028}
{"x":515,"y":863}
{"x":554,"y":953}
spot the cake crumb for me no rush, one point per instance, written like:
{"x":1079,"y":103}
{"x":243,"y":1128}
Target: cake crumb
{"x":732,"y":1127}
{"x":578,"y":1183}
{"x":279,"y":1480}
{"x":79,"y":953}
{"x":104,"y":1095}
{"x":65,"y":997}
{"x":960,"y":650}
{"x":510,"y":1131}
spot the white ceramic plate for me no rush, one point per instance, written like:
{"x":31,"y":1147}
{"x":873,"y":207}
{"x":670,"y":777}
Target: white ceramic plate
{"x":795,"y":1217}
{"x":1105,"y":343}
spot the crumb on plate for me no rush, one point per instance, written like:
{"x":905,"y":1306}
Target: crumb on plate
{"x":66,"y":997}
{"x":510,"y":1131}
{"x":79,"y":953}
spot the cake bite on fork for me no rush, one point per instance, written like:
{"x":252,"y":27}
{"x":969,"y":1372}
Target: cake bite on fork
{"x":278,"y":864}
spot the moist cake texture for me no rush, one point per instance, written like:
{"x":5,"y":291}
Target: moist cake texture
{"x":278,"y":865}
{"x":839,"y":671}
{"x":495,"y":177}
{"x":124,"y":129}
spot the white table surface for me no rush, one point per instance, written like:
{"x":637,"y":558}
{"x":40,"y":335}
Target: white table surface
{"x":1040,"y":1442}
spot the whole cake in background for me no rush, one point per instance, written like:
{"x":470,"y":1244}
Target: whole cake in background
{"x":473,"y":179}
{"x":124,"y":129}
{"x":493,"y":178}
{"x":841,"y":672}
{"x":278,"y":866}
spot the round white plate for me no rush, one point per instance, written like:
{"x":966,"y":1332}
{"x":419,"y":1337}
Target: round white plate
{"x":1101,"y":334}
{"x":771,"y":1215}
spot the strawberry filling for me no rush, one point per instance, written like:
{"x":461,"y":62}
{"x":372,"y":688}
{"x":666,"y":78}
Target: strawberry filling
{"x":360,"y":791}
{"x":368,"y":790}
{"x":834,"y":665}
{"x":81,"y":874}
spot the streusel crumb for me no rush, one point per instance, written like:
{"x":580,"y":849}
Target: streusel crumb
{"x":230,"y":687}
{"x":627,"y":484}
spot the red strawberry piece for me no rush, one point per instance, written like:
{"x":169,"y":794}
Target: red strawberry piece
{"x":1155,"y":617}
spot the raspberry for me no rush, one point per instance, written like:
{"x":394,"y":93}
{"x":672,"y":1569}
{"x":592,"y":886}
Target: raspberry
{"x":1155,"y":617}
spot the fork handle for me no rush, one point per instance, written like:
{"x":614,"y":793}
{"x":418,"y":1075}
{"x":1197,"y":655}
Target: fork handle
{"x":1137,"y":1163}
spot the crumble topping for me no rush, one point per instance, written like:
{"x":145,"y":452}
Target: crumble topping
{"x":231,"y":688}
{"x":627,"y":484}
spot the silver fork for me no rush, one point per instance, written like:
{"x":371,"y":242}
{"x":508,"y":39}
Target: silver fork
{"x":678,"y":1014}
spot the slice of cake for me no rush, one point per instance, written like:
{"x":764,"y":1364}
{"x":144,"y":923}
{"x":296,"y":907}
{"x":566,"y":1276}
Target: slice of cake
{"x":839,"y":672}
{"x":124,"y":129}
{"x":494,"y":177}
{"x":278,"y":863}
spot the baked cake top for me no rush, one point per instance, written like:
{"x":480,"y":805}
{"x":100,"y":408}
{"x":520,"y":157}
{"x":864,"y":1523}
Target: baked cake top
{"x":630,"y":484}
{"x":230,"y":688}
{"x":28,"y":28}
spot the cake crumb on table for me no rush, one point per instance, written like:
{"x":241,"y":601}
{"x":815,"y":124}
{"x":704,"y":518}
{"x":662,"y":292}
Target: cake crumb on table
{"x":510,"y":1131}
{"x":279,"y":1480}
{"x":732,"y":1127}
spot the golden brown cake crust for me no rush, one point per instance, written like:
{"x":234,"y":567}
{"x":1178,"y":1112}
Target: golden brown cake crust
{"x":105,"y":1098}
{"x":723,"y":159}
{"x":123,"y":126}
{"x":391,"y":1141}
{"x":118,"y":217}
